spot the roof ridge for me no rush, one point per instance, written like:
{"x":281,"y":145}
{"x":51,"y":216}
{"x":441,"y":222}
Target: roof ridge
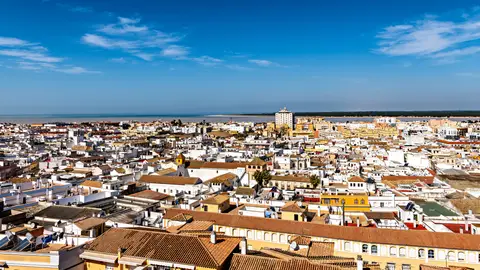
{"x":206,"y":249}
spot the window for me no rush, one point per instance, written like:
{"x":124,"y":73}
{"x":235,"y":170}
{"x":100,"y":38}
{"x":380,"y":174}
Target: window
{"x":431,"y":254}
{"x":259,"y":235}
{"x":295,"y":217}
{"x":266,"y":236}
{"x":365,"y":248}
{"x":421,"y":253}
{"x":374,"y":249}
{"x":382,"y":204}
{"x":362,"y":201}
{"x":250,"y":234}
{"x":283,"y":239}
{"x":402,"y":252}
{"x":393,"y":251}
{"x":347,"y":246}
{"x":441,"y":255}
{"x":356,"y":201}
{"x":235,"y":232}
{"x":275,"y":237}
{"x":406,"y":267}
{"x":390,"y":266}
{"x":461,"y":256}
{"x":451,"y":256}
{"x":109,"y":267}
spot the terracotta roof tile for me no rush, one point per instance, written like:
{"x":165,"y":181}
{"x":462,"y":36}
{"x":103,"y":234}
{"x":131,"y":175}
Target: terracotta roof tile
{"x":217,"y":200}
{"x":367,"y":235}
{"x":150,"y":194}
{"x":292,"y":207}
{"x":169,"y":180}
{"x":182,"y":249}
{"x":90,"y":183}
{"x":89,"y":223}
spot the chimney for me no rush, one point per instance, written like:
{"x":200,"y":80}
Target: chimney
{"x":466,"y":225}
{"x":461,"y":230}
{"x":414,"y":224}
{"x":359,"y":262}
{"x":243,"y":246}
{"x":213,"y":238}
{"x":120,"y":251}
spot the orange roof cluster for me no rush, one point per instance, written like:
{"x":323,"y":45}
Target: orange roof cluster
{"x":366,"y":235}
{"x":160,"y":246}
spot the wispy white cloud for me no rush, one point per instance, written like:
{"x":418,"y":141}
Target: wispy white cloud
{"x":76,"y":70}
{"x":123,"y":26}
{"x":207,"y":60}
{"x":129,"y":36}
{"x":145,"y":56}
{"x":32,"y":56}
{"x":108,"y":43}
{"x":80,"y":9}
{"x":458,"y":52}
{"x":12,"y":42}
{"x":262,"y":63}
{"x":238,"y":67}
{"x":120,"y":60}
{"x":265,"y":63}
{"x":431,"y":37}
{"x":468,"y":74}
{"x":175,"y":51}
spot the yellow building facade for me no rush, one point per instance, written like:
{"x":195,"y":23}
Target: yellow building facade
{"x":353,"y":203}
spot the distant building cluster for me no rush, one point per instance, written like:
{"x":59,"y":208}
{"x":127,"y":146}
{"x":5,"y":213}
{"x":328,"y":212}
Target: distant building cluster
{"x":298,"y":193}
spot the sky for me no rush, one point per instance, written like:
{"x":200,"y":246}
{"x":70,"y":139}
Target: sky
{"x":248,"y":56}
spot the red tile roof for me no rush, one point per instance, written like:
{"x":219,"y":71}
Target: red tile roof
{"x":367,"y":235}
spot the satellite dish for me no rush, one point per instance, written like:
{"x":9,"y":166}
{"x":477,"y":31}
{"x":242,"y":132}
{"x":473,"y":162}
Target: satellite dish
{"x":293,"y":245}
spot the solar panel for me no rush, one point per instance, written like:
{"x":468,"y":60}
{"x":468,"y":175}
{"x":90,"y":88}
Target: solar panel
{"x":4,"y":241}
{"x":23,"y":245}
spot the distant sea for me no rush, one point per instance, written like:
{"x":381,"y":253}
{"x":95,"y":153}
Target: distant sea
{"x":77,"y":118}
{"x":213,"y":118}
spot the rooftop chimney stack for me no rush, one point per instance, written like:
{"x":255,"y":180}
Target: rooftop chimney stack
{"x":213,"y":238}
{"x":359,"y":262}
{"x":358,"y":222}
{"x":243,"y":246}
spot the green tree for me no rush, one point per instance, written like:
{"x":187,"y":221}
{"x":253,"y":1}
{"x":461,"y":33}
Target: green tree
{"x":315,"y":180}
{"x":283,"y":131}
{"x":262,"y":177}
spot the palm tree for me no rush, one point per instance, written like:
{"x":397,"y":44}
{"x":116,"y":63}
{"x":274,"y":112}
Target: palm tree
{"x":314,"y":180}
{"x":262,"y":177}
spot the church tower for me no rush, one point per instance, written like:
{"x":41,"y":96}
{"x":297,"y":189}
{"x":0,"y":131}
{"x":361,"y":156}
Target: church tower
{"x":181,"y":166}
{"x":180,"y":160}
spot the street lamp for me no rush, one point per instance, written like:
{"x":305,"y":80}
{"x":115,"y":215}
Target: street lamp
{"x":343,"y":212}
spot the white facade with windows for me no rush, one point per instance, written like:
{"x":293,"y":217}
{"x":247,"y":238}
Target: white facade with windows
{"x":284,"y":118}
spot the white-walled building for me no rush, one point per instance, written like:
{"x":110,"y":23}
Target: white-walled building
{"x":284,"y":118}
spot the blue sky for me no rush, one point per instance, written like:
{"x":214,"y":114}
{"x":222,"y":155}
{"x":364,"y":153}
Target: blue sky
{"x":93,"y":56}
